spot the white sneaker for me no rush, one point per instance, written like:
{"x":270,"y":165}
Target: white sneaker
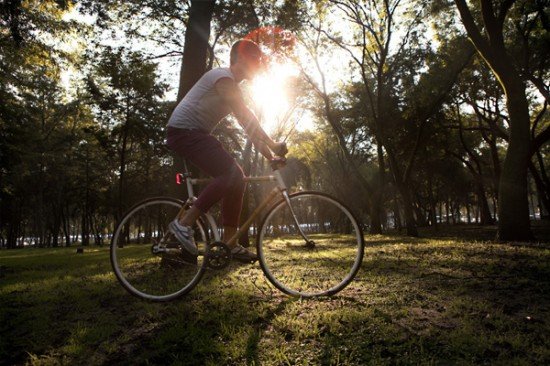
{"x":184,"y":234}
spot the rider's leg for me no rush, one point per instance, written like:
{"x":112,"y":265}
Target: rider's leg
{"x":231,"y":212}
{"x":232,"y":185}
{"x":232,"y":204}
{"x":207,"y":153}
{"x":190,"y":216}
{"x":228,"y":233}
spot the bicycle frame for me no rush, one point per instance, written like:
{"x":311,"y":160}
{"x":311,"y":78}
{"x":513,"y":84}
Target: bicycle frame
{"x":280,"y":189}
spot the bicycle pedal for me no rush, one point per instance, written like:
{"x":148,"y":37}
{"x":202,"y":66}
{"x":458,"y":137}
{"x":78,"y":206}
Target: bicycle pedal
{"x":180,"y":256}
{"x":171,"y":263}
{"x":172,"y":250}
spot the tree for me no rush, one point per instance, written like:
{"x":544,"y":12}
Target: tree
{"x":35,"y":121}
{"x":490,"y":41}
{"x":125,"y":88}
{"x":400,"y":96}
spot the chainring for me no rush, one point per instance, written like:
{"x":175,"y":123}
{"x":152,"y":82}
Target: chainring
{"x":218,"y":255}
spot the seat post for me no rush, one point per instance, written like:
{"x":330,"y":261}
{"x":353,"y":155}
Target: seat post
{"x":186,"y":170}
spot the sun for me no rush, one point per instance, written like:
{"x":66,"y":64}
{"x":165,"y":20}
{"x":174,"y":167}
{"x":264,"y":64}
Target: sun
{"x":271,"y":96}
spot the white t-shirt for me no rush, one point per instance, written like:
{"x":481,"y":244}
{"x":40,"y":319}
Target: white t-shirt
{"x":202,"y":108}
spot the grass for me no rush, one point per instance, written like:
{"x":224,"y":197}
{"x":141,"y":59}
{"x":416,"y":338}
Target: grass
{"x":436,"y":301}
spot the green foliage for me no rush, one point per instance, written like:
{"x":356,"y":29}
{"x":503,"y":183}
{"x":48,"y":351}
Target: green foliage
{"x":39,"y":126}
{"x":125,"y":91}
{"x":24,"y":19}
{"x":57,"y":154}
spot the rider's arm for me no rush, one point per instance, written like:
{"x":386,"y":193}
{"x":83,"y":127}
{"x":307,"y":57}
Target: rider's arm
{"x":230,"y":91}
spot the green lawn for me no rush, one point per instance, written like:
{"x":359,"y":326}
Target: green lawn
{"x":415,"y":301}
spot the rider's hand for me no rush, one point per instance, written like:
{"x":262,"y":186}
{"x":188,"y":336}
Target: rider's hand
{"x":279,"y":148}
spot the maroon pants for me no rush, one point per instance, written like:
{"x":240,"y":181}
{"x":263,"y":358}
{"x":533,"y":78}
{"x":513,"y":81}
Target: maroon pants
{"x":207,"y":153}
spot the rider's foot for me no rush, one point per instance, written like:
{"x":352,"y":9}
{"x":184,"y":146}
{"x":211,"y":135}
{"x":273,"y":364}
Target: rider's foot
{"x":184,"y":234}
{"x":242,"y":254}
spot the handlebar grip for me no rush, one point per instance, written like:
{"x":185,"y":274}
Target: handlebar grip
{"x":282,"y":150}
{"x":277,"y":163}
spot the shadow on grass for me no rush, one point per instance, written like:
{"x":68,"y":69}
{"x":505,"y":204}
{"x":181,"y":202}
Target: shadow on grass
{"x":252,"y":355}
{"x":198,"y":328}
{"x":466,"y":304}
{"x":423,"y":302}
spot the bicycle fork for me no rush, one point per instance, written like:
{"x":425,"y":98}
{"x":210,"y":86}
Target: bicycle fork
{"x":282,"y":187}
{"x":309,"y":243}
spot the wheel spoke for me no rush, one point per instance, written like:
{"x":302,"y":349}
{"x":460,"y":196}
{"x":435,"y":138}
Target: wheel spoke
{"x":148,"y":273}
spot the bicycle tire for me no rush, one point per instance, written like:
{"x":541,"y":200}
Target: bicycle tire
{"x":321,"y":270}
{"x":143,"y":273}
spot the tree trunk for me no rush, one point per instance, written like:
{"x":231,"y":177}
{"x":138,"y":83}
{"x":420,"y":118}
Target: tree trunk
{"x":65,"y":226}
{"x":375,"y":222}
{"x":420,"y":213}
{"x":195,"y":50}
{"x":378,"y":194}
{"x":513,"y":207}
{"x":396,"y":215}
{"x":543,"y":174}
{"x":484,"y":211}
{"x":12,"y":233}
{"x":85,"y":237}
{"x":431,"y":214}
{"x":496,"y":163}
{"x":410,"y":223}
{"x":14,"y":222}
{"x":56,"y":224}
{"x":542,"y":193}
{"x":513,"y":210}
{"x":122,"y":163}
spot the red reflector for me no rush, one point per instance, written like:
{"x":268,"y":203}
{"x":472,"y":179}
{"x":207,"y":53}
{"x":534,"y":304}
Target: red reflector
{"x":179,"y":178}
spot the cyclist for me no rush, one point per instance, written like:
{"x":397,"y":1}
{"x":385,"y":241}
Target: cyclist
{"x":212,"y":98}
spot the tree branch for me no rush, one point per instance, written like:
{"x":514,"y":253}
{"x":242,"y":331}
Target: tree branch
{"x":168,"y":54}
{"x":540,"y":140}
{"x":537,"y":119}
{"x":540,"y":85}
{"x":473,"y":32}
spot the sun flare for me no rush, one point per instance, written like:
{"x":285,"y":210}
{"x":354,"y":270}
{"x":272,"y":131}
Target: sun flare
{"x":270,"y":93}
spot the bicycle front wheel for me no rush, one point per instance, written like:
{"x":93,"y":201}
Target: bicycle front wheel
{"x":138,"y":257}
{"x":316,"y":251}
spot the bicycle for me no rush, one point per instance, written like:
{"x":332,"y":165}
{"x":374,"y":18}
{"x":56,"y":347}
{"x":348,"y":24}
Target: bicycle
{"x":308,"y":243}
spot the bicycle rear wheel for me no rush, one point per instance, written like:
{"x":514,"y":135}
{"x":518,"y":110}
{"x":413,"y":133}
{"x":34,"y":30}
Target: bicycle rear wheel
{"x":138,"y":257}
{"x":324,"y":264}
